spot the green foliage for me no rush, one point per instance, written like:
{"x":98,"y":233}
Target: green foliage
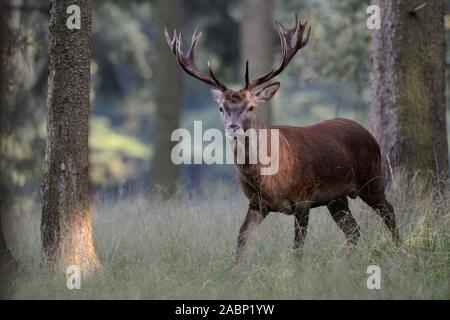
{"x":23,"y":105}
{"x":339,"y":48}
{"x":115,"y":156}
{"x":343,"y":41}
{"x":122,"y":46}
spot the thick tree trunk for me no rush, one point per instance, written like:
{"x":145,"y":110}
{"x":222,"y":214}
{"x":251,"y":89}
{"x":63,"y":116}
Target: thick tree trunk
{"x":168,"y":90}
{"x":407,"y":112}
{"x":257,"y":43}
{"x":66,"y":226}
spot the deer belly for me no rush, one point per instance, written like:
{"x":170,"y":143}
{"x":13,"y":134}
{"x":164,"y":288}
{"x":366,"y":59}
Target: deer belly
{"x":325,"y":194}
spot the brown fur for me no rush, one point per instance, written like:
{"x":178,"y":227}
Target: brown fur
{"x":322,"y":164}
{"x":318,"y":164}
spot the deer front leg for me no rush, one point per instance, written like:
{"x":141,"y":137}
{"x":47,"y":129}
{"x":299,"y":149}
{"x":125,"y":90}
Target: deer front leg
{"x":301,"y":226}
{"x":252,"y":220}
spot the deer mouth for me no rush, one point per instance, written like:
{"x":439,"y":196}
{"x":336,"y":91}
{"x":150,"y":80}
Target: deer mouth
{"x":231,"y":133}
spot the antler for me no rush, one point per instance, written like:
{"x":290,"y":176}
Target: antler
{"x":187,"y":61}
{"x":288,"y":51}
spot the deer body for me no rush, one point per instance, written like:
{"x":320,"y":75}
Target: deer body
{"x":319,"y":165}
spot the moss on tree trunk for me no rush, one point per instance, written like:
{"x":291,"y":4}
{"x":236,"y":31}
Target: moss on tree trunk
{"x":66,"y":226}
{"x":407,"y":113}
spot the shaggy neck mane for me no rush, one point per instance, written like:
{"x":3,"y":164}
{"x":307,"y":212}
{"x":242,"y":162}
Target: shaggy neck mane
{"x":251,"y":172}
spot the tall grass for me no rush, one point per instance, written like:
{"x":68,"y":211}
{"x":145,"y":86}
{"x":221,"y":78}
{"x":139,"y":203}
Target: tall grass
{"x":184,"y":249}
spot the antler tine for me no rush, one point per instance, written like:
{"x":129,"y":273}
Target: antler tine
{"x":221,"y":85}
{"x":287,"y":33}
{"x":172,"y":42}
{"x":305,"y":41}
{"x":287,"y":50}
{"x":247,"y":80}
{"x":191,"y":52}
{"x":187,"y":60}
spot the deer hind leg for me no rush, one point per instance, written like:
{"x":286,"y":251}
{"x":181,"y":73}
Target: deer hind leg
{"x":373,"y":195}
{"x":251,"y":222}
{"x":341,"y":214}
{"x":301,"y":227}
{"x":386,"y":212}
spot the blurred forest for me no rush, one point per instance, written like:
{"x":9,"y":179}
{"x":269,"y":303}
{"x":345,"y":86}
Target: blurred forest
{"x":329,"y":78}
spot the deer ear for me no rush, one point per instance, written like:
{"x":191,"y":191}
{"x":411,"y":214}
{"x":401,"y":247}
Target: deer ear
{"x":216,"y":95}
{"x":267,"y":93}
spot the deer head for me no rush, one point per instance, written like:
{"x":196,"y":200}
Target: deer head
{"x":238,"y":108}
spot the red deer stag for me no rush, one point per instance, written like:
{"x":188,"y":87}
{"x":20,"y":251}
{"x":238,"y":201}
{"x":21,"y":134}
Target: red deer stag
{"x":319,"y":165}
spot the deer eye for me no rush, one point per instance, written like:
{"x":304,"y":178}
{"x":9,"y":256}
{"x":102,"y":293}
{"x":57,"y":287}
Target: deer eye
{"x":220,"y":109}
{"x":251,"y":108}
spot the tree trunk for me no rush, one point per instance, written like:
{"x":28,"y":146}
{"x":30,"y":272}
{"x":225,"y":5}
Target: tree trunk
{"x":407,"y":112}
{"x":7,"y":262}
{"x":8,"y":265}
{"x":66,"y":226}
{"x":168,"y":93}
{"x":257,"y":43}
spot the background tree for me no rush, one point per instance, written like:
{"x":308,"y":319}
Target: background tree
{"x":66,"y":226}
{"x":168,"y":93}
{"x":257,"y":39}
{"x":407,"y":112}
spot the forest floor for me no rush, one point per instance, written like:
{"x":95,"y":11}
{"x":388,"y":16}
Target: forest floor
{"x":184,"y":249}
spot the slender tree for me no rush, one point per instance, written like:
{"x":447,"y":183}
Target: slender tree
{"x":66,"y":226}
{"x":257,"y":42}
{"x":407,"y":112}
{"x":168,"y":91}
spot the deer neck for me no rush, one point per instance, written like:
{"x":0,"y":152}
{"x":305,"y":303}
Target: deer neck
{"x":250,"y":171}
{"x":259,"y":124}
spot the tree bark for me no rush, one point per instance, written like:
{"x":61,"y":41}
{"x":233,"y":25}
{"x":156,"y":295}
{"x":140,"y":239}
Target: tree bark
{"x":66,"y":226}
{"x":407,"y":112}
{"x":8,"y":265}
{"x":168,"y":94}
{"x":7,"y":262}
{"x":257,"y":43}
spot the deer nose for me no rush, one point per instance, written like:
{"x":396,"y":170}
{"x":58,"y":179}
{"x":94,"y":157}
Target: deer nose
{"x":233,"y":127}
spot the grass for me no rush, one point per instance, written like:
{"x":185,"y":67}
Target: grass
{"x":184,"y":249}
